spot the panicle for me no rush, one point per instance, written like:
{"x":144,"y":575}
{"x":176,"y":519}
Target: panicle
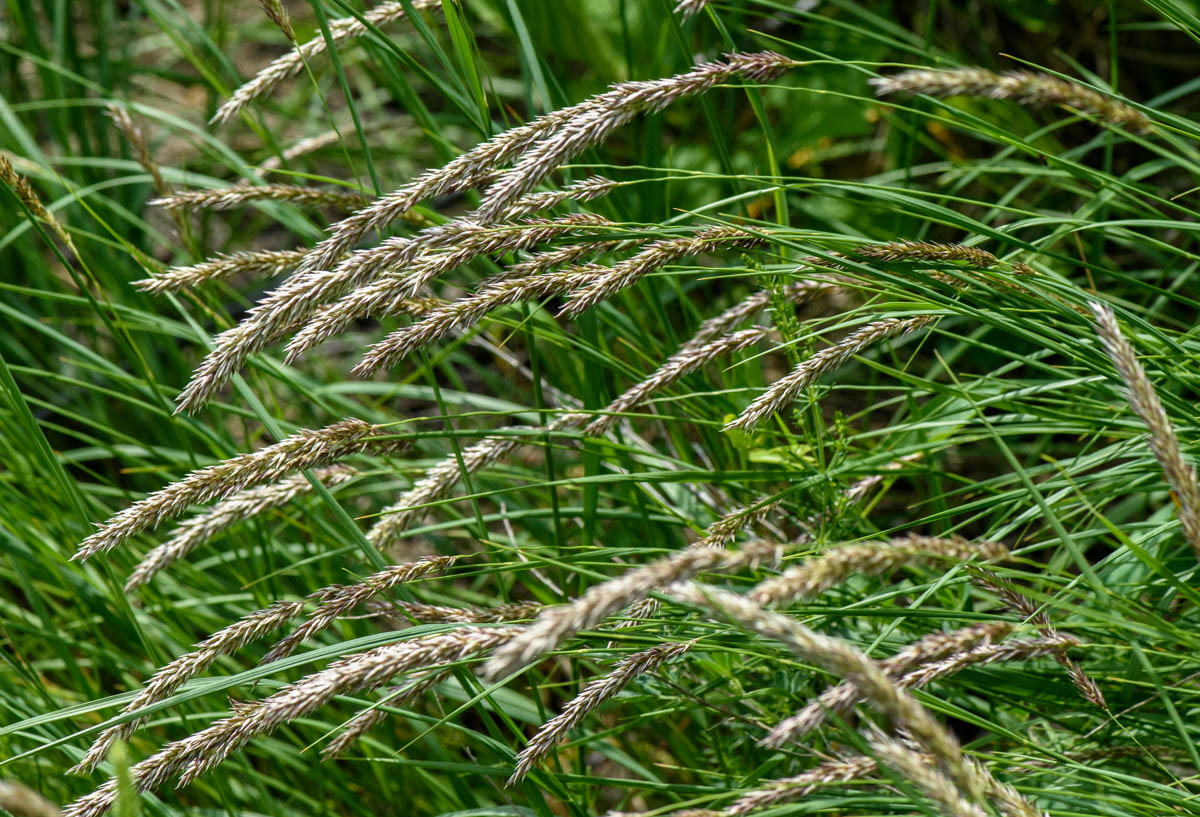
{"x":835,"y":565}
{"x":555,"y":624}
{"x":593,"y":121}
{"x":225,"y":198}
{"x":784,"y":390}
{"x":247,"y":629}
{"x":1164,"y":442}
{"x":208,"y":748}
{"x":341,"y":31}
{"x":256,"y":263}
{"x":839,"y":699}
{"x":304,"y":449}
{"x":609,"y":282}
{"x":338,"y":600}
{"x":24,"y":192}
{"x":592,"y":696}
{"x":194,"y":532}
{"x":1025,"y":87}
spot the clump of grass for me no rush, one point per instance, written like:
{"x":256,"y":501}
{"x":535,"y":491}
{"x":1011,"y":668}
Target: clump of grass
{"x":570,"y":553}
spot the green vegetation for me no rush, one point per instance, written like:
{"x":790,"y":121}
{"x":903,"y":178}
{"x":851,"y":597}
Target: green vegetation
{"x":771,"y":366}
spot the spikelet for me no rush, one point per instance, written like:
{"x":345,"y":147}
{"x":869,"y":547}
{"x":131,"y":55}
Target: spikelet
{"x":784,"y":390}
{"x":835,"y":565}
{"x":720,"y":533}
{"x":24,"y":192}
{"x":258,"y":263}
{"x":592,"y":695}
{"x":609,"y":282}
{"x":199,"y":529}
{"x":338,"y":600}
{"x":594,"y":121}
{"x":341,"y":31}
{"x":555,"y":624}
{"x":249,"y":628}
{"x":304,"y":449}
{"x":1025,"y":87}
{"x":225,"y":198}
{"x":839,"y":699}
{"x":278,"y":15}
{"x":1143,"y":399}
{"x":202,"y":751}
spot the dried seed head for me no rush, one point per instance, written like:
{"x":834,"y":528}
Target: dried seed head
{"x":206,"y":749}
{"x":1164,"y":443}
{"x":783,"y":391}
{"x":592,"y":695}
{"x":278,"y":15}
{"x":836,"y":565}
{"x":838,"y":700}
{"x":341,"y":31}
{"x":24,"y":192}
{"x":304,"y":449}
{"x":225,"y":198}
{"x":199,"y":529}
{"x":607,"y":283}
{"x":555,"y":624}
{"x":1025,"y":87}
{"x":258,"y":264}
